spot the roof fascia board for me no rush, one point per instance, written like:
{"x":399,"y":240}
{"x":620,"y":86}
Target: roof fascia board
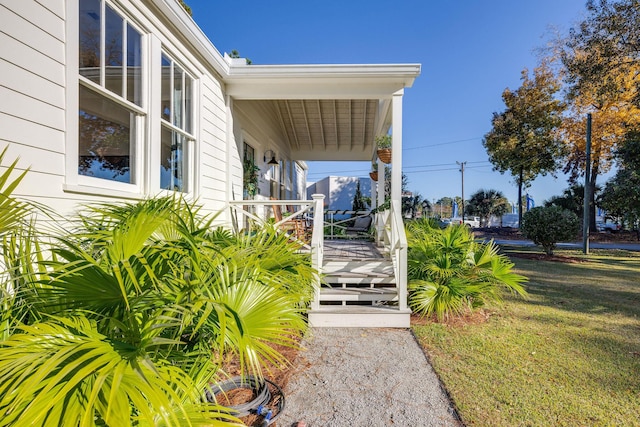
{"x":187,"y":27}
{"x":406,"y":71}
{"x":364,"y":81}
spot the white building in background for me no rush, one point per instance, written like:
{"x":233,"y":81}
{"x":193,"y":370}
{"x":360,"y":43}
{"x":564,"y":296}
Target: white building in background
{"x":339,"y":191}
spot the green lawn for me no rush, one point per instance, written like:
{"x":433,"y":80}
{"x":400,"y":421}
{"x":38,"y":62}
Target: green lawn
{"x":569,"y":355}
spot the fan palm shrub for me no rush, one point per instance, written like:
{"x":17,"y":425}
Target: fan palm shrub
{"x":449,"y":273}
{"x":136,"y":308}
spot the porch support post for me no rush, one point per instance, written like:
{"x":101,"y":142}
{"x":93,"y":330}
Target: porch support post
{"x":228,"y":173}
{"x":396,"y":146}
{"x":396,"y":195}
{"x":382,"y":171}
{"x":317,"y":244}
{"x":374,"y":194}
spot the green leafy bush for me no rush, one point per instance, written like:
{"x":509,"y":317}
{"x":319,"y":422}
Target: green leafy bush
{"x":450,"y":273}
{"x":548,"y":225}
{"x":133,"y":313}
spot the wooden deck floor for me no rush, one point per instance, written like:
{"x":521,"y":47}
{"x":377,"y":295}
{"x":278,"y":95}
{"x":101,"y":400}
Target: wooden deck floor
{"x":351,"y":250}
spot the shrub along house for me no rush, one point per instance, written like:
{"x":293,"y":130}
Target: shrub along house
{"x":121,"y":100}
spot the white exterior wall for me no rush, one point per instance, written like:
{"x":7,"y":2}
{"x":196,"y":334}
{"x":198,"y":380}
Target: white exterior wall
{"x":256,"y":123}
{"x":38,"y":89}
{"x":339,"y":191}
{"x":32,"y":90}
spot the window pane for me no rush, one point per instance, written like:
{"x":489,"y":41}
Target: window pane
{"x":106,"y":148}
{"x":89,"y":52}
{"x":178,"y":115}
{"x":188,"y":94}
{"x":113,"y":51}
{"x":173,"y":161}
{"x":166,"y":88}
{"x":134,"y":64}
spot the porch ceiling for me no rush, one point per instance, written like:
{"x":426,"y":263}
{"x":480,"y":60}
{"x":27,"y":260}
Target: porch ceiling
{"x":325,"y":112}
{"x":319,"y":128}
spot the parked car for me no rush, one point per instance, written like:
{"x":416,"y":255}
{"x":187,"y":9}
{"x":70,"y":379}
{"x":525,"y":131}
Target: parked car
{"x":609,"y":227}
{"x":473,"y":221}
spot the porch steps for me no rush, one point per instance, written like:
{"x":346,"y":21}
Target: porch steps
{"x":352,"y":316}
{"x":359,"y":293}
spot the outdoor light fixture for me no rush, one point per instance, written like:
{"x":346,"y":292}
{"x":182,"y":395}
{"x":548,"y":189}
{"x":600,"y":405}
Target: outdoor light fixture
{"x":273,"y":161}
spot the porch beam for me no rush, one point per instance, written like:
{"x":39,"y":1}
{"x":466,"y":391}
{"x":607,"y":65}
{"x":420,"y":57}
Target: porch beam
{"x":396,"y":146}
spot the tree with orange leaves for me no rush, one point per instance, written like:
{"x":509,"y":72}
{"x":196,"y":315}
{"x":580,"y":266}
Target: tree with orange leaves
{"x":601,"y":68}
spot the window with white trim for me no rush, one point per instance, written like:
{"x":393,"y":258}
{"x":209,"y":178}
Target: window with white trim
{"x":110,"y":106}
{"x":177,"y":138}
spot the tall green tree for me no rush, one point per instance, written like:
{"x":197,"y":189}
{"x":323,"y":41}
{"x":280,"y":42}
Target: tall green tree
{"x":571,"y":199}
{"x":601,"y":68}
{"x":487,"y":203}
{"x":621,"y":195}
{"x":358,"y":200}
{"x":523,"y":140}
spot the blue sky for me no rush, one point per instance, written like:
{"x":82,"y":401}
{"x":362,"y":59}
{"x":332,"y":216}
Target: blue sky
{"x":470,"y":51}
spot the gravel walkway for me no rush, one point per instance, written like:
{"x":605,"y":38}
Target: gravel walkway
{"x":364,"y":377}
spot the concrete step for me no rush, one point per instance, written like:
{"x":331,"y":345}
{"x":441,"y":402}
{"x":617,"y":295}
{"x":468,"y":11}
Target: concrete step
{"x":369,"y":268}
{"x":337,"y":281}
{"x":358,"y":294}
{"x":351,"y":316}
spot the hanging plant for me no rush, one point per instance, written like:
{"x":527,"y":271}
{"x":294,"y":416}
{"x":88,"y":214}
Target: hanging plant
{"x":383,"y":142}
{"x":250,"y":178}
{"x":374,"y":171}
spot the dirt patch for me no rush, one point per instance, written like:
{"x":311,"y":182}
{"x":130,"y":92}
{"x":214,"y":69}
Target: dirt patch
{"x":476,"y":317}
{"x":279,"y":375}
{"x":545,"y":257}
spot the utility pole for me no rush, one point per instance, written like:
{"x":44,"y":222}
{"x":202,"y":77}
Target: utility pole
{"x":587,"y":190}
{"x":462,"y":202}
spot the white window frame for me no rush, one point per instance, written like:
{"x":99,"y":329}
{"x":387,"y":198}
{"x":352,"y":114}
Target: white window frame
{"x":190,"y":138}
{"x":74,"y":181}
{"x":149,"y":124}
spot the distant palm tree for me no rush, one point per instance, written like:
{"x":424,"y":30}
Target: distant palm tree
{"x":487,"y":203}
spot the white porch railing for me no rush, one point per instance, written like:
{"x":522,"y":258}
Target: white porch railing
{"x":256,"y":213}
{"x":248,"y":214}
{"x":337,"y":228}
{"x":395,"y":239}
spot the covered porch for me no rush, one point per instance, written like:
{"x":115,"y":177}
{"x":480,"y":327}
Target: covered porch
{"x":330,"y":113}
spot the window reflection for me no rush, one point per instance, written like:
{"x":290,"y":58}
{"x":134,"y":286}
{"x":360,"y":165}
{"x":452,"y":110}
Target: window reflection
{"x":113,"y":51}
{"x":90,"y":46}
{"x":105,"y":138}
{"x":134,"y":66}
{"x":166,"y":88}
{"x":178,"y":107}
{"x":173,"y":161}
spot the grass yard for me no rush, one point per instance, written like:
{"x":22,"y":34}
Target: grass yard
{"x":567,"y":356}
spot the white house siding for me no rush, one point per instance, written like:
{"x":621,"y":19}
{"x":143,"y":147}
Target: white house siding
{"x":214,"y":168}
{"x":301,"y":179}
{"x":258,"y":124}
{"x":33,"y":79}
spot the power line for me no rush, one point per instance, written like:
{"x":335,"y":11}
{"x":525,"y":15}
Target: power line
{"x":440,"y":143}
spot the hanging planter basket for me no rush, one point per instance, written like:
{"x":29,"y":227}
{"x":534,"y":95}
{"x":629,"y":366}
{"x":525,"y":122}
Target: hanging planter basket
{"x":384,"y":154}
{"x":374,"y":175}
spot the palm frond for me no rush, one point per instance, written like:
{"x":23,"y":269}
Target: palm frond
{"x":65,"y":373}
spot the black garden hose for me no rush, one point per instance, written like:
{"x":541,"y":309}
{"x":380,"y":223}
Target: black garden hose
{"x":259,"y":405}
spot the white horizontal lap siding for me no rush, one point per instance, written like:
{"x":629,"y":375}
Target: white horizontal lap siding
{"x":32,"y":78}
{"x":213,"y":151}
{"x":55,"y":7}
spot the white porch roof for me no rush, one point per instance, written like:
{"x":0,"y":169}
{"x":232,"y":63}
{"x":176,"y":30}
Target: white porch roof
{"x":325,"y":112}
